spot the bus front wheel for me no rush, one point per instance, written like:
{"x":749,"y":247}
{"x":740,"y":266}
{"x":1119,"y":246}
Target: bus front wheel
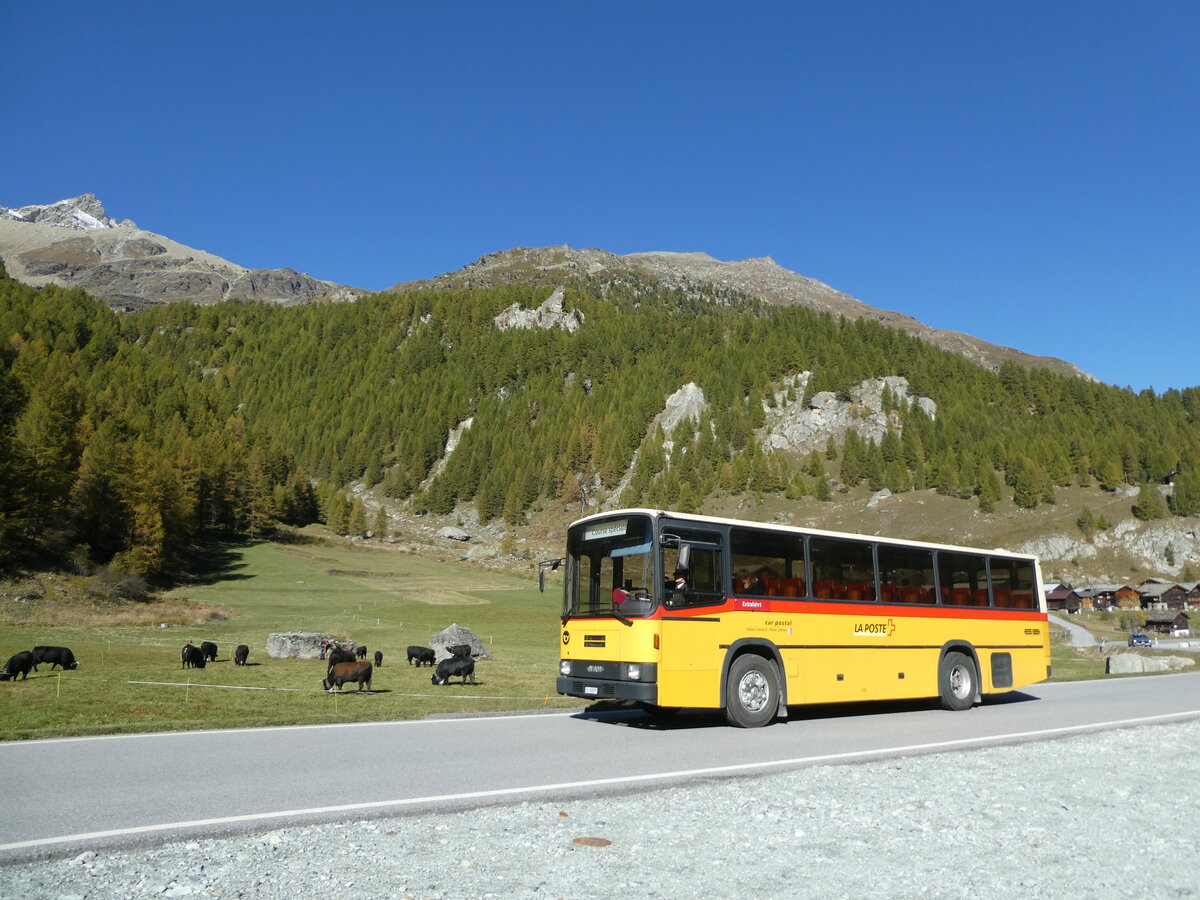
{"x":956,"y":681}
{"x":752,"y":692}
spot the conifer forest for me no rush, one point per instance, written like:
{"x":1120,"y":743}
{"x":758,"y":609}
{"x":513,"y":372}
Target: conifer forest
{"x":125,"y":438}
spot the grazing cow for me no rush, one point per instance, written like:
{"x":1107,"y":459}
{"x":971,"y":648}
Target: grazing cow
{"x":455,"y":665}
{"x":338,"y":655}
{"x":361,"y":651}
{"x":424,"y":656}
{"x":459,"y":651}
{"x":240,"y":655}
{"x":56,"y":656}
{"x":209,"y":649}
{"x":18,"y":664}
{"x":192,"y":657}
{"x":378,"y":658}
{"x":348,"y":672}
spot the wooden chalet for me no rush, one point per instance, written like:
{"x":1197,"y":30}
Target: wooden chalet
{"x":1064,"y":597}
{"x":1106,"y":597}
{"x":1163,"y":595}
{"x":1193,"y":594}
{"x":1174,"y":623}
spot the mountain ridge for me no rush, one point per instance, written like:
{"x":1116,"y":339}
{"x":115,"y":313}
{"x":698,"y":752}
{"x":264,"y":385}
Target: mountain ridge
{"x":75,"y":243}
{"x":696,"y":273}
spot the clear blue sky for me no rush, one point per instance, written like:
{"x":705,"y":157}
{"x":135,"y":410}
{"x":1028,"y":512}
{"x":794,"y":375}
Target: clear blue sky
{"x":1026,"y":172}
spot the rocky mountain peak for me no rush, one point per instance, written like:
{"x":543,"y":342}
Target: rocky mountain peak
{"x":76,"y":243}
{"x":82,"y":213}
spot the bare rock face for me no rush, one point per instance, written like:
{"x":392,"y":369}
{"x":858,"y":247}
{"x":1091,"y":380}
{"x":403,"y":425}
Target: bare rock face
{"x":454,"y":636}
{"x":793,"y":425}
{"x":83,"y":213}
{"x":550,"y":314}
{"x":74,"y":243}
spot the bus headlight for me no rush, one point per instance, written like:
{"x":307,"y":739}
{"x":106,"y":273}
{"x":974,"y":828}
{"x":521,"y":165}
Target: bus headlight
{"x":633,"y":671}
{"x":564,"y":667}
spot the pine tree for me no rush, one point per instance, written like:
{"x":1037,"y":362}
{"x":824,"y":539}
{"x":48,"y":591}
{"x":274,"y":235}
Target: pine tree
{"x":1185,"y":496}
{"x":1027,"y":492}
{"x":1150,"y":503}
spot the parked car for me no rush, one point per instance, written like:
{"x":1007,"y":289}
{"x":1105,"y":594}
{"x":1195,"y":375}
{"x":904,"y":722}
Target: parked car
{"x":1140,"y":640}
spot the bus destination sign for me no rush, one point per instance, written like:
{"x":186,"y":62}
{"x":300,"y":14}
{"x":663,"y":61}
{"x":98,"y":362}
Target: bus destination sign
{"x":606,"y":530}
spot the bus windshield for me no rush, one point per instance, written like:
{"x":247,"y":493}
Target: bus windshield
{"x":610,"y":568}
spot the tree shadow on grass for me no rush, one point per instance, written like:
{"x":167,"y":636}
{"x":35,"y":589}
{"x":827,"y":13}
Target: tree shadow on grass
{"x":217,"y":561}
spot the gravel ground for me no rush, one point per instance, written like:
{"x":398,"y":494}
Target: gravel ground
{"x":1112,"y":814}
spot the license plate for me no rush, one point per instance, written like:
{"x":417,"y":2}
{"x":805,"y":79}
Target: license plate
{"x":591,"y":690}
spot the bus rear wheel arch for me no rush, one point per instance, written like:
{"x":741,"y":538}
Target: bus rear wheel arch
{"x":958,"y":680}
{"x":751,"y":691}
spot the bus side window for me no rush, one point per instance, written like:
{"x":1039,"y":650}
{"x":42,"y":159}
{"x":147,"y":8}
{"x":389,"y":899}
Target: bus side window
{"x":905,"y":574}
{"x":766,"y":563}
{"x":1012,"y":583}
{"x":842,"y":570}
{"x":962,"y":579}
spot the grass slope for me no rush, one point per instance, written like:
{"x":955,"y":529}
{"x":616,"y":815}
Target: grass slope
{"x":130,"y":680}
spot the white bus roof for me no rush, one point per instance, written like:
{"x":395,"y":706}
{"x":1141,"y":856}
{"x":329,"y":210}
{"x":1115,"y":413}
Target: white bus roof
{"x":798,"y":529}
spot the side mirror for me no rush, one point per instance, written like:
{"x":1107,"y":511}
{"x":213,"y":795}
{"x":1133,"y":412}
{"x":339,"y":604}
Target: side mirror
{"x":552,"y":565}
{"x":683,"y":560}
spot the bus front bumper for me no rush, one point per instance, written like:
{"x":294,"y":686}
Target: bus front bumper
{"x":604,"y":689}
{"x":595,"y":679}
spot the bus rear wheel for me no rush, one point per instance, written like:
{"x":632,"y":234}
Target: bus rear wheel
{"x":752,"y":692}
{"x":956,"y":681}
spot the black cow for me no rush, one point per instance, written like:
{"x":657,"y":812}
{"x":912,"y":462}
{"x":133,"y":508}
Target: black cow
{"x":240,"y":655}
{"x":424,"y":656}
{"x":378,"y":658}
{"x":348,"y":673}
{"x":455,"y":665}
{"x":192,"y":657}
{"x":209,"y":649}
{"x":56,"y":656}
{"x":361,"y":651}
{"x":459,"y":651}
{"x":338,"y":655}
{"x":18,"y":664}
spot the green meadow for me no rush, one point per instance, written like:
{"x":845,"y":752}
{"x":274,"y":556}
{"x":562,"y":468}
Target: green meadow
{"x":130,"y":677}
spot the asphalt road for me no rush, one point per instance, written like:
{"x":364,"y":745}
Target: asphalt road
{"x":87,"y":793}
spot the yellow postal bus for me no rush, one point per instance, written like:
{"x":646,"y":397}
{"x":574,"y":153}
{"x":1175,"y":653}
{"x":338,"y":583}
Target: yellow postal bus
{"x":675,"y":610}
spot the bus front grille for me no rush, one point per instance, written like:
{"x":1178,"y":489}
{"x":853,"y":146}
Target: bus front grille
{"x":606,"y":689}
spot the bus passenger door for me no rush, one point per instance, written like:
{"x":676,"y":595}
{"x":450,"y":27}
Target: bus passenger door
{"x":689,"y":669}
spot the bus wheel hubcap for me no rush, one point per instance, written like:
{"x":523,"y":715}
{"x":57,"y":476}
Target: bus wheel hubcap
{"x":960,"y":682}
{"x":753,"y":691}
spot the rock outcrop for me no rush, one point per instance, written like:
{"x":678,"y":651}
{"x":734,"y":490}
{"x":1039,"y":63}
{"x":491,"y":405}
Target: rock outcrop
{"x":301,"y":644}
{"x":798,"y":426}
{"x":455,"y":636}
{"x":550,"y":314}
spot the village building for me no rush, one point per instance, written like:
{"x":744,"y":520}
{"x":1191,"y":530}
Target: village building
{"x":1108,"y":596}
{"x":1063,"y":597}
{"x":1169,"y":622}
{"x":1163,"y":595}
{"x":1193,"y":594}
